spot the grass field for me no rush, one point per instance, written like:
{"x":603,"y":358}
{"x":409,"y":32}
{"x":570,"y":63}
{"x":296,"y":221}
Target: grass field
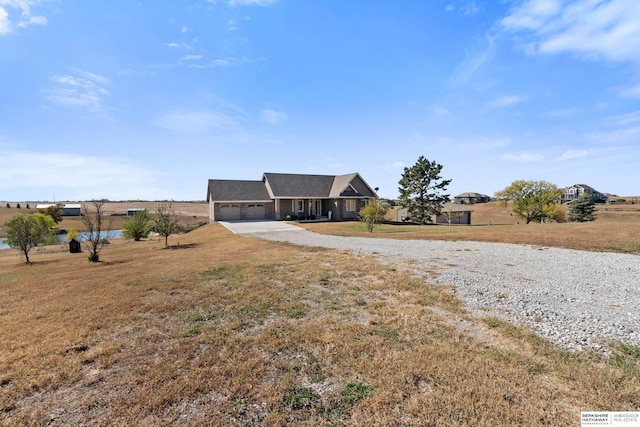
{"x":221,"y":329}
{"x":617,"y":229}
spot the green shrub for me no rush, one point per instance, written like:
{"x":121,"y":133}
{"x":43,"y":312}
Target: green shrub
{"x":299,"y":398}
{"x":355,"y":392}
{"x":138,"y":226}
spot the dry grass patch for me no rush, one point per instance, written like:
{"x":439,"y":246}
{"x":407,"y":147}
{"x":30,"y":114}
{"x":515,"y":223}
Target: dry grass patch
{"x":236,"y":331}
{"x":615,"y":230}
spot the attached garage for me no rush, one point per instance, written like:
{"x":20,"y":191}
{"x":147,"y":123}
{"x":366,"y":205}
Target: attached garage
{"x":255,"y":211}
{"x":230,"y":212}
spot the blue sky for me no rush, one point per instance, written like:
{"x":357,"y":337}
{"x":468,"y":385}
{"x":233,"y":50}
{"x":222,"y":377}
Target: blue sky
{"x":147,"y":100}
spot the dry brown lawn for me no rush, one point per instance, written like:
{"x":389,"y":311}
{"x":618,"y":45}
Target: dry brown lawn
{"x":228,"y":330}
{"x":617,"y":229}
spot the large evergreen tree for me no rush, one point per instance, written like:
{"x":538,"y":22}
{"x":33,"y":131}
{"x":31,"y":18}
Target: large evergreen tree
{"x":582,"y":209}
{"x":422,"y":191}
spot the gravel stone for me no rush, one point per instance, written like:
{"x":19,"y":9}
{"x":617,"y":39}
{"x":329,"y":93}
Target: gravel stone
{"x":576,"y":299}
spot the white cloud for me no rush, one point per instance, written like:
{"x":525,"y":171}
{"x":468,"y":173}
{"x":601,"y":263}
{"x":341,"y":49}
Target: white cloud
{"x":84,"y":89}
{"x":506,"y":100}
{"x":631,"y":92}
{"x":251,"y":2}
{"x":191,"y":57}
{"x":624,"y":119}
{"x":33,"y":20}
{"x":195,"y":121}
{"x":74,"y":176}
{"x":572,"y":154}
{"x":450,"y":8}
{"x":472,"y":62}
{"x":526,"y":157}
{"x":593,"y":29}
{"x":398,"y":165}
{"x":531,"y":14}
{"x":5,"y":24}
{"x":273,"y":117}
{"x":469,"y":9}
{"x":26,"y":18}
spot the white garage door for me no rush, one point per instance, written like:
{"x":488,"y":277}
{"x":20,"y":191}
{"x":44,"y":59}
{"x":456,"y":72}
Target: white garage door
{"x":255,"y":211}
{"x":229,"y":212}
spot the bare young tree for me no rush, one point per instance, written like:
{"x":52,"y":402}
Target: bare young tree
{"x":97,"y":228}
{"x":451,"y":215}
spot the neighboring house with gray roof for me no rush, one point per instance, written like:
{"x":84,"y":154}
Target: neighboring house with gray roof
{"x":569,"y":194}
{"x":471,"y":198}
{"x":277,"y":195}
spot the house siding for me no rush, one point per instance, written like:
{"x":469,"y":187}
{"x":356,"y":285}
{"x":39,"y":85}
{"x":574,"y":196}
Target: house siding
{"x":281,"y":193}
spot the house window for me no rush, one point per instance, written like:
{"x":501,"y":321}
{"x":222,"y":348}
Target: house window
{"x":351,"y":205}
{"x":299,"y":205}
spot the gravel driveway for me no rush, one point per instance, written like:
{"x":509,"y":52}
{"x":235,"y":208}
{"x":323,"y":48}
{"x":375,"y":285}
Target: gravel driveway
{"x":577,"y":299}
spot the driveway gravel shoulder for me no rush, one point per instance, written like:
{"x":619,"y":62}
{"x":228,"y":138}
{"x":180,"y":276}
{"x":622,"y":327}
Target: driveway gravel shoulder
{"x":576,"y":299}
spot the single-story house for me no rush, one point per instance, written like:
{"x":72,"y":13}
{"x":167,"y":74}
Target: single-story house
{"x":68,"y":209}
{"x":573,"y":192}
{"x":277,"y":195}
{"x":471,"y":198}
{"x":456,"y":213}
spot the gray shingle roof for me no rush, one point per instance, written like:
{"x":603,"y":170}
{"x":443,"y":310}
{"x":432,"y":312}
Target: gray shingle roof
{"x":295,"y":185}
{"x":284,"y":185}
{"x":235,"y":190}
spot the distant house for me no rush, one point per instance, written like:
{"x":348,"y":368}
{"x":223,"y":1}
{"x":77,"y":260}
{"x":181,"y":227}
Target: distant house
{"x":456,"y":213}
{"x":571,"y":193}
{"x":278,"y":195}
{"x":471,"y":198}
{"x":68,"y":209}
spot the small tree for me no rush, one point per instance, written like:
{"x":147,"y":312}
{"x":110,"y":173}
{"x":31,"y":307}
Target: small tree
{"x":532,"y":200}
{"x":555,"y":212}
{"x":54,"y":211}
{"x":166,"y":222}
{"x":582,"y":209}
{"x":97,"y":228}
{"x":138,"y":226}
{"x":374,"y":213}
{"x":451,"y":214}
{"x":421,"y":191}
{"x":25,"y":232}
